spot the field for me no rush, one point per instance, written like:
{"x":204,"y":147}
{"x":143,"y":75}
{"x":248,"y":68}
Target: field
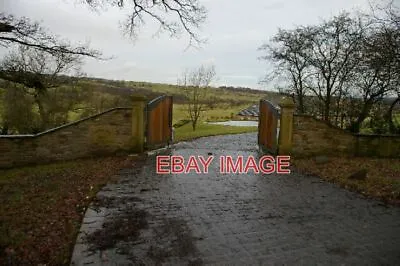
{"x":186,"y":132}
{"x":222,"y":112}
{"x":91,"y":96}
{"x":225,"y":102}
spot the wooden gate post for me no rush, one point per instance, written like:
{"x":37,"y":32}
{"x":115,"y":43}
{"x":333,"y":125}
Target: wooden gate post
{"x":286,"y":126}
{"x":138,"y":122}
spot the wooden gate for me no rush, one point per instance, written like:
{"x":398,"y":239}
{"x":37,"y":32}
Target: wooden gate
{"x":159,"y":122}
{"x":268,"y":127}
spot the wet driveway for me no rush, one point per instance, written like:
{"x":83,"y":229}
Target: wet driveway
{"x":253,"y":219}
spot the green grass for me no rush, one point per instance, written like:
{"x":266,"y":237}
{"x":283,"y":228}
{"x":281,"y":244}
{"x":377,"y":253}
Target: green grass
{"x":186,"y":132}
{"x":222,"y":112}
{"x":365,"y":129}
{"x":396,"y":119}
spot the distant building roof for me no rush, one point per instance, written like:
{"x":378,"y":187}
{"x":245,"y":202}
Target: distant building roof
{"x":255,"y":109}
{"x":250,"y":111}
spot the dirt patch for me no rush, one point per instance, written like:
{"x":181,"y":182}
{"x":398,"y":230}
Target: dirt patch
{"x":124,"y":227}
{"x":173,"y":239}
{"x":132,"y":235}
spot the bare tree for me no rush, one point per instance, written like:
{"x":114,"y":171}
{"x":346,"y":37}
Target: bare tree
{"x":17,"y":114}
{"x":195,"y":84}
{"x":346,"y":66}
{"x":173,"y":16}
{"x":288,"y":51}
{"x":317,"y":59}
{"x":335,"y":45}
{"x":38,"y":71}
{"x":390,"y":118}
{"x":375,"y":74}
{"x":386,"y":19}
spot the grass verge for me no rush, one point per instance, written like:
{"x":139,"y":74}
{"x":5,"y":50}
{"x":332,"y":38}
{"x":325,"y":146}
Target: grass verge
{"x":41,"y":208}
{"x":383,"y":175}
{"x":203,"y":129}
{"x":221,"y":112}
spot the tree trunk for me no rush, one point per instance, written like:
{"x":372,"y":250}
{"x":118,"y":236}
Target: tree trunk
{"x":342,"y":116}
{"x":301,"y":108}
{"x":338,"y":109}
{"x":389,"y":117}
{"x":42,"y":112}
{"x":356,"y":125}
{"x":327,"y":109}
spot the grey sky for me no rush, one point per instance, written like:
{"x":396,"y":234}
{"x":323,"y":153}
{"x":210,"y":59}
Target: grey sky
{"x":234,"y":29}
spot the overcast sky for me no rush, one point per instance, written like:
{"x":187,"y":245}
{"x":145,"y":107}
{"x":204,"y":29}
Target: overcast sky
{"x":234,"y":29}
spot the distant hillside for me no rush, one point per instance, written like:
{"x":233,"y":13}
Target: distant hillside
{"x":19,"y":111}
{"x":222,"y":94}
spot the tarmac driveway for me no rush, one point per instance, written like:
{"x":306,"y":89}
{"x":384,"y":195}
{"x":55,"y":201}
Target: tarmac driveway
{"x":249,"y":219}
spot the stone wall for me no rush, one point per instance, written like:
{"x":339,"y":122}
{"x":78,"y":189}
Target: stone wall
{"x":313,"y":137}
{"x":106,"y":133}
{"x":378,"y":145}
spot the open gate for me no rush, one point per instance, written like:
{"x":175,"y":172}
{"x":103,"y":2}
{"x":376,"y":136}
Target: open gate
{"x":159,"y":122}
{"x":268,"y":127}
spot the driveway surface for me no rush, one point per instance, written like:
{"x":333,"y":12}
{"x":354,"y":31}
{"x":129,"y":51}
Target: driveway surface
{"x":221,"y":219}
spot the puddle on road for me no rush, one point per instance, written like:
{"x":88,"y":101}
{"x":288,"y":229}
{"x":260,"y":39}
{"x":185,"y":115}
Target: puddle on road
{"x":130,"y":232}
{"x":124,"y":227}
{"x":173,"y":239}
{"x":136,"y":235}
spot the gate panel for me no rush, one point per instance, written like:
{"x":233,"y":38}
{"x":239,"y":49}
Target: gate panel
{"x":159,"y":122}
{"x":268,"y":127}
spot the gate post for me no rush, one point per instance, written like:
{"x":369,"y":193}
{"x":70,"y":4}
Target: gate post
{"x":138,"y":122}
{"x":286,"y":126}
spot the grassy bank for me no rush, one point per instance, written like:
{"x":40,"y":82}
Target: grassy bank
{"x":41,"y":208}
{"x":203,"y":129}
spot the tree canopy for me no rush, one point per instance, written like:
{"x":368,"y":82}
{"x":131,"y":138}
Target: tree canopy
{"x":341,"y":69}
